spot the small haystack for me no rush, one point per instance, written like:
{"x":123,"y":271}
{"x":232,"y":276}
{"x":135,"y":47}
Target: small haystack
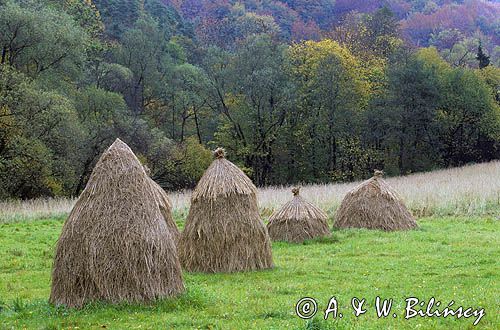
{"x":374,"y":205}
{"x":297,"y":221}
{"x":117,"y":245}
{"x":224,"y":232}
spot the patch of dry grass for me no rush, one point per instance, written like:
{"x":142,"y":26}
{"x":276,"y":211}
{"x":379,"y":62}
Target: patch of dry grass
{"x":35,"y":208}
{"x":473,"y":189}
{"x":468,"y":190}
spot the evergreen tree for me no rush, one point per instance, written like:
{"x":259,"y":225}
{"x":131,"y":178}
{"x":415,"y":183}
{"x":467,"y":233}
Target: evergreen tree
{"x":484,"y":60}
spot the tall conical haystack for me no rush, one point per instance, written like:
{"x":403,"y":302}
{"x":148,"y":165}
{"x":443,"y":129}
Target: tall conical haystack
{"x":297,"y":221}
{"x":374,"y":205}
{"x":224,"y":232}
{"x":116,"y":244}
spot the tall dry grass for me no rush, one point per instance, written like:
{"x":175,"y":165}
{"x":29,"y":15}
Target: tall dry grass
{"x":473,"y":189}
{"x":468,"y":190}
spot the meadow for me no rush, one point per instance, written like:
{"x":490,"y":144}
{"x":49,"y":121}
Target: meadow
{"x":453,"y":256}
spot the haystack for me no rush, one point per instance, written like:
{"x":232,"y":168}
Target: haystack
{"x":374,"y":205}
{"x":116,"y":244}
{"x":297,"y":221}
{"x":224,"y":232}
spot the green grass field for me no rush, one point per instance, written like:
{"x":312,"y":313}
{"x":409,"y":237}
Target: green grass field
{"x":447,"y":258}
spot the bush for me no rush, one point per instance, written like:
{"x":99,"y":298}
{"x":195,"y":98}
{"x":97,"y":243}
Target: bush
{"x":25,"y":170}
{"x":184,"y":165}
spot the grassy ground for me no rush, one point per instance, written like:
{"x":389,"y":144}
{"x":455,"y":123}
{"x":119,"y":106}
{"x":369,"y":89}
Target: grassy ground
{"x":447,"y":258}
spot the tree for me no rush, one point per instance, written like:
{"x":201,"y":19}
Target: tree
{"x":85,"y":13}
{"x":38,"y":40}
{"x":103,"y":115}
{"x":319,"y":11}
{"x":382,"y":29}
{"x":74,"y":76}
{"x":250,"y":94}
{"x":183,"y":111}
{"x":25,"y":170}
{"x":183,"y":165}
{"x":369,"y":36}
{"x":405,"y":118}
{"x":145,"y":51}
{"x":118,"y":15}
{"x":491,"y":76}
{"x":223,"y":25}
{"x":191,"y":86}
{"x":169,"y":20}
{"x":446,"y":39}
{"x":38,"y":138}
{"x":481,"y":57}
{"x":332,"y":92}
{"x":469,"y":117}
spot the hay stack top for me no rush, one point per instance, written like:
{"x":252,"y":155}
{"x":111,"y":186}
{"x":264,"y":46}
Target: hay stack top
{"x":298,"y":209}
{"x":117,"y":165}
{"x":374,"y":205}
{"x":117,"y":161}
{"x":223,"y":179}
{"x":297,"y":221}
{"x":376,"y":186}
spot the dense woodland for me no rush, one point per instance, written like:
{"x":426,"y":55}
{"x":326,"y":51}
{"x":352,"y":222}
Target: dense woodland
{"x":296,"y":91}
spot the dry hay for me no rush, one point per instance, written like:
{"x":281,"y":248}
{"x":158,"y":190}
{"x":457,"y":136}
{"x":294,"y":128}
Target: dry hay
{"x":224,"y":232}
{"x":297,"y":221}
{"x":116,"y":245}
{"x":374,"y":205}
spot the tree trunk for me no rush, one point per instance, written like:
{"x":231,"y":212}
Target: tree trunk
{"x":401,"y":154}
{"x":4,"y":54}
{"x":183,"y":125}
{"x":197,"y":124}
{"x":172,"y":133}
{"x":83,"y":176}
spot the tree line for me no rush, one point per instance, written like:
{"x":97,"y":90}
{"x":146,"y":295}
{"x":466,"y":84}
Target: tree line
{"x":311,"y":111}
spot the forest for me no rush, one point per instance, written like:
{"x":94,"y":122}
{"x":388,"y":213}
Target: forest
{"x":296,"y":91}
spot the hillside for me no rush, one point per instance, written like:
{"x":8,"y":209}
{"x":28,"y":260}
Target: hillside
{"x":295,"y":91}
{"x":423,"y":22}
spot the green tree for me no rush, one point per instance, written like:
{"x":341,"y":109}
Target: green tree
{"x":103,"y":116}
{"x":404,"y":121}
{"x":118,"y":15}
{"x":182,"y":165}
{"x":46,"y":125}
{"x":491,"y":76}
{"x":38,"y":39}
{"x":332,"y":92}
{"x":251,"y":96}
{"x":84,"y":12}
{"x":25,"y":170}
{"x":481,"y":57}
{"x":469,"y":117}
{"x":145,"y":51}
{"x":369,"y":36}
{"x":186,"y":99}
